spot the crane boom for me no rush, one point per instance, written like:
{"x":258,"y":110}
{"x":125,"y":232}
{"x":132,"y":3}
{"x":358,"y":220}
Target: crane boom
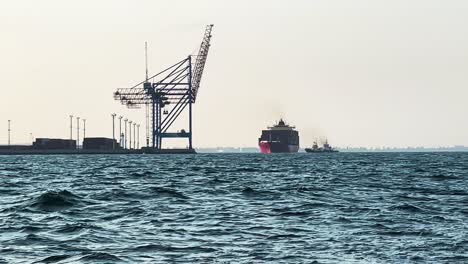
{"x":200,"y":61}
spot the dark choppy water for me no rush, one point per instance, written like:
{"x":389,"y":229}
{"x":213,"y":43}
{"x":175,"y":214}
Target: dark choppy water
{"x":235,"y":208}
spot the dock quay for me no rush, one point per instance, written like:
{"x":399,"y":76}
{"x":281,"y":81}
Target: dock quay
{"x":94,"y":151}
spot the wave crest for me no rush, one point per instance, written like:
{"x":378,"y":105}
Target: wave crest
{"x":55,"y":200}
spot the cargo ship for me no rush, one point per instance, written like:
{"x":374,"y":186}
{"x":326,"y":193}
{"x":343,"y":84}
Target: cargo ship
{"x":325,"y":148}
{"x":280,"y":138}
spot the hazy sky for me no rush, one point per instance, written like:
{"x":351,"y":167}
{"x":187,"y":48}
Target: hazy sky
{"x":362,"y":73}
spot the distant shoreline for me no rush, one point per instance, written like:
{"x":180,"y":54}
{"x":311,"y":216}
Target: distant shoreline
{"x":345,"y":150}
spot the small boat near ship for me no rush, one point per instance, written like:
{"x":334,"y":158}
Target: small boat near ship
{"x":280,"y":138}
{"x":326,"y":148}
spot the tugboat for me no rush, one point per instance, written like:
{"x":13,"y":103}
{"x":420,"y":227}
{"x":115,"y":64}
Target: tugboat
{"x":280,"y":138}
{"x":325,"y":148}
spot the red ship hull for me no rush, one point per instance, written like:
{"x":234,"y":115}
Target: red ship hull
{"x":264,"y":147}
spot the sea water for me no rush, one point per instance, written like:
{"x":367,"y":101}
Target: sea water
{"x":235,"y":208}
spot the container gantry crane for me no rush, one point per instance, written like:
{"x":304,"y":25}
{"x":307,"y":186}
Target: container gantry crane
{"x":168,"y":93}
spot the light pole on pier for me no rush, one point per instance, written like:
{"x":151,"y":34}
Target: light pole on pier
{"x":84,"y":128}
{"x":9,"y":132}
{"x":120,"y":131}
{"x":134,"y":135}
{"x":71,"y":127}
{"x":130,"y":132}
{"x":138,"y":136}
{"x":113,"y":130}
{"x":77,"y":132}
{"x":125,"y":136}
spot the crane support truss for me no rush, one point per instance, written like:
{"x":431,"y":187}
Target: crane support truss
{"x":168,"y":93}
